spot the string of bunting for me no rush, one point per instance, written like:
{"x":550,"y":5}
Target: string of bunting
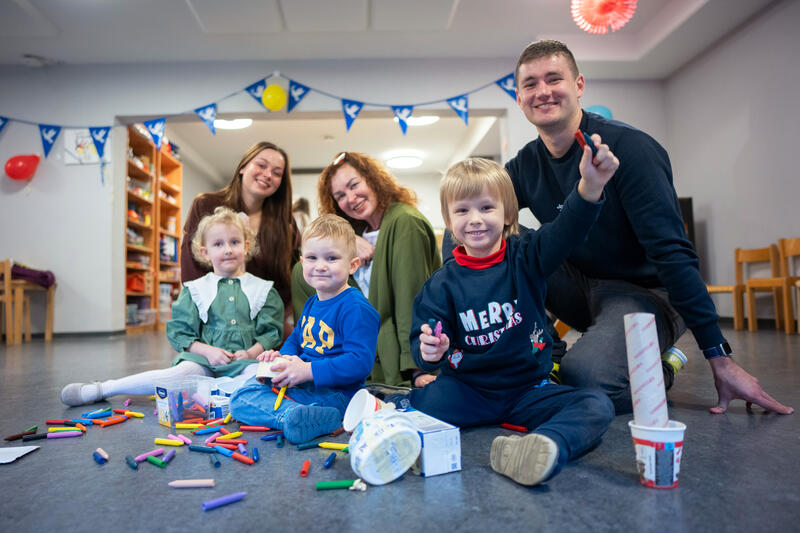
{"x":272,"y":98}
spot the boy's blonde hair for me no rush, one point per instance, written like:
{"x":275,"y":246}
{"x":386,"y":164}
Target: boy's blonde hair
{"x":228,"y":217}
{"x":467,"y":178}
{"x":334,"y":227}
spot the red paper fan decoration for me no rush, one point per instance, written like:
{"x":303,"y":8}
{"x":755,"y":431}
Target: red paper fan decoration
{"x":596,"y":16}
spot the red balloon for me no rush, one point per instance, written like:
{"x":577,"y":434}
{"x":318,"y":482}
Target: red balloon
{"x":22,"y":167}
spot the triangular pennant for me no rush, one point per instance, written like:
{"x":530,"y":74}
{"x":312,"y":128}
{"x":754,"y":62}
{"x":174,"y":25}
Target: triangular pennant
{"x":460,"y":104}
{"x":208,"y":114}
{"x":256,"y":90}
{"x":508,"y":85}
{"x":49,"y":135}
{"x":156,"y":129}
{"x":3,"y":122}
{"x":297,"y":91}
{"x":351,"y":109}
{"x":99,"y":138}
{"x":403,"y":113}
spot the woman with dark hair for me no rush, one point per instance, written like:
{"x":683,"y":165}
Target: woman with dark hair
{"x":397,"y":248}
{"x":261,"y":187}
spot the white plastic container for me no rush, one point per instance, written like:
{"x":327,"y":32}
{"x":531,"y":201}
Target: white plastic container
{"x":383,"y":447}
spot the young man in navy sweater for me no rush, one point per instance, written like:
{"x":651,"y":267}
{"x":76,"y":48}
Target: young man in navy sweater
{"x":492,"y":349}
{"x":636,"y":258}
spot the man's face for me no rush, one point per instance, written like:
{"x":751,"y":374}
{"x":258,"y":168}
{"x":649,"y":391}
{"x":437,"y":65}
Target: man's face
{"x":548,"y":92}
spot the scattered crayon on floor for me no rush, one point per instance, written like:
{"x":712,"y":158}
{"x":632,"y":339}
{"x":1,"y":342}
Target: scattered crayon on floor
{"x":306,"y":467}
{"x":329,"y":461}
{"x":224,"y":500}
{"x":191,"y":483}
{"x":333,"y":485}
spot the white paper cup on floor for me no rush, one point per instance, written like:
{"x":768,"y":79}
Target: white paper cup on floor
{"x":383,"y":446}
{"x":658,"y":453}
{"x":362,"y":405}
{"x":644,"y":369}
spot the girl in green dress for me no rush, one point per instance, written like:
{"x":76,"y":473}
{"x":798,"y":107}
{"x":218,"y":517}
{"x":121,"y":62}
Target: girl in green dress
{"x":220,"y":322}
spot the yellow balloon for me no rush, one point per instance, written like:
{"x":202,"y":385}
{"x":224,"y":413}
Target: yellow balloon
{"x":273,"y":97}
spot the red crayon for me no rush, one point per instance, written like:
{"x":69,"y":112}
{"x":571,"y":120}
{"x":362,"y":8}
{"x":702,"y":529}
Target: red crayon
{"x":242,"y":458}
{"x":306,"y":466}
{"x":224,"y":431}
{"x":230,"y":441}
{"x":56,"y":421}
{"x":112,"y":421}
{"x":512,"y":427}
{"x":119,"y":411}
{"x":337,"y":432}
{"x":254,"y":428}
{"x":225,"y":445}
{"x":285,"y":396}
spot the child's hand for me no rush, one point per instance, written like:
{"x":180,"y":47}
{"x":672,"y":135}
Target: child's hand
{"x":241,"y":354}
{"x":431,"y":348}
{"x":268,"y":355}
{"x":596,"y":171}
{"x":293,"y":371}
{"x":218,"y":356}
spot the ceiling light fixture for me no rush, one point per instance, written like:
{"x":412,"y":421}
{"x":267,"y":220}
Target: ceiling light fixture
{"x":596,"y":16}
{"x":235,"y":124}
{"x":423,"y":120}
{"x":403,"y":162}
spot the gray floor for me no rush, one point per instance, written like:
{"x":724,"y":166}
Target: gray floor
{"x":739,"y":470}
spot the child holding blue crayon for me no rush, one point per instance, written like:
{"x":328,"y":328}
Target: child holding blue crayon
{"x":489,"y":338}
{"x":220,"y":322}
{"x":331,"y":351}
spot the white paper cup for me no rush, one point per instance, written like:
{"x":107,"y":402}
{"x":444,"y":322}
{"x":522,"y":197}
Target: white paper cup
{"x":361,"y":405}
{"x":658,"y":453}
{"x":383,"y":446}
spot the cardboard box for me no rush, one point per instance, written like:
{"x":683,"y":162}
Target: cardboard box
{"x":441,"y":444}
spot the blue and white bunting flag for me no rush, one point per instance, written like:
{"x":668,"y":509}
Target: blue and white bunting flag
{"x":508,"y":85}
{"x":99,"y":138}
{"x":256,"y":90}
{"x":3,"y":122}
{"x":403,"y":113}
{"x":49,"y":135}
{"x":208,"y":114}
{"x":460,"y":104}
{"x":297,"y":91}
{"x":351,"y":109}
{"x":156,"y":129}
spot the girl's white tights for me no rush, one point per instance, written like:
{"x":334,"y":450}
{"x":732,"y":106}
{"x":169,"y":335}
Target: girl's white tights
{"x":143,"y":383}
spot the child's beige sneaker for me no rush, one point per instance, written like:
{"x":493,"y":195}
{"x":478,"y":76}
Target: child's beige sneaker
{"x":527,"y":460}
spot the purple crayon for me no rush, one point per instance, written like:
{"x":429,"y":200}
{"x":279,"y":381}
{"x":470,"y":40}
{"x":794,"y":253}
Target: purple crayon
{"x":144,"y":456}
{"x":242,"y":449}
{"x":61,"y":434}
{"x":168,"y":457}
{"x":437,"y":331}
{"x":224,"y":500}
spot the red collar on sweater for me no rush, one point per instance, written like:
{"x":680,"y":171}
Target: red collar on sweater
{"x":479,"y":263}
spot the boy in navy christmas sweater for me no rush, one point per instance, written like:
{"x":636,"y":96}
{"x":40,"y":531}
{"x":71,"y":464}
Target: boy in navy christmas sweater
{"x":331,"y":350}
{"x":493,"y":352}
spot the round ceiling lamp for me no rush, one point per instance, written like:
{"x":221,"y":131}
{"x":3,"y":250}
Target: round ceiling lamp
{"x":597,"y":16}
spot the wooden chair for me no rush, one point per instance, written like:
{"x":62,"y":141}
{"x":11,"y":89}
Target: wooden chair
{"x":780,"y":284}
{"x":740,"y":259}
{"x":17,"y":306}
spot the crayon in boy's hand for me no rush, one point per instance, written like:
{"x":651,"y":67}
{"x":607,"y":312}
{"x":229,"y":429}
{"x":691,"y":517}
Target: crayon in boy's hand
{"x":584,"y":140}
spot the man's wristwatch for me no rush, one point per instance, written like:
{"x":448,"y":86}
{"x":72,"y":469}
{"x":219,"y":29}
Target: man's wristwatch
{"x":720,"y":350}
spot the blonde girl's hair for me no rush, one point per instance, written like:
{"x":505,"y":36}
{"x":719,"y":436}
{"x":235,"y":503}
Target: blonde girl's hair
{"x":227,"y":217}
{"x":467,"y":178}
{"x":335,"y":228}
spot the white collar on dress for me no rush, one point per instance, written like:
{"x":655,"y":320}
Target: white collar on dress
{"x":204,"y":290}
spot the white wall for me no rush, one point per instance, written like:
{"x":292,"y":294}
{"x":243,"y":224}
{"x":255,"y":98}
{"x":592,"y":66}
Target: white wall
{"x":67,"y":222}
{"x":732,"y":123}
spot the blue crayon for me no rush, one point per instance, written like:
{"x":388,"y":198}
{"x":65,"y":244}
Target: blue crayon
{"x":95,"y":412}
{"x":255,"y":454}
{"x":329,"y":461}
{"x":204,"y":431}
{"x":280,"y":441}
{"x":198,"y":448}
{"x":224,"y":500}
{"x":214,"y":460}
{"x":168,"y":457}
{"x":131,"y":462}
{"x":224,"y":451}
{"x":84,"y":422}
{"x":99,"y":459}
{"x":274,"y":436}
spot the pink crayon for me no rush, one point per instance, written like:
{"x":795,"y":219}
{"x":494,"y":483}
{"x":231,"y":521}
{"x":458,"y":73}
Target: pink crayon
{"x":185,"y":439}
{"x":61,"y":434}
{"x":144,"y":456}
{"x":126,"y":403}
{"x":213,"y":437}
{"x":437,"y":332}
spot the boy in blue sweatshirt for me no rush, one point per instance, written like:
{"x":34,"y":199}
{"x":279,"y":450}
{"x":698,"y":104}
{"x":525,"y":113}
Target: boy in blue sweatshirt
{"x":331,"y":350}
{"x":493,"y":352}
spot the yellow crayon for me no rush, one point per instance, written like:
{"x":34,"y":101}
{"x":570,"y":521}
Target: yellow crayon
{"x":333,"y":445}
{"x":133,"y":413}
{"x":58,"y":429}
{"x":280,"y":398}
{"x":233,"y":435}
{"x":227,"y":418}
{"x":184,"y":425}
{"x":168,"y":442}
{"x":151,"y":397}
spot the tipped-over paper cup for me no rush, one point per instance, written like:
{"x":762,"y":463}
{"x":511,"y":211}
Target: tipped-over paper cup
{"x":361,"y":405}
{"x":658,"y":453}
{"x":383,"y":446}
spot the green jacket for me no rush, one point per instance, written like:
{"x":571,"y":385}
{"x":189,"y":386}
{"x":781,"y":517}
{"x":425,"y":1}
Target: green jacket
{"x":405,"y":257}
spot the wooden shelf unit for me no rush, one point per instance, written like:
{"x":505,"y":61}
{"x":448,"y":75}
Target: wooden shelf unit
{"x":153,"y":213}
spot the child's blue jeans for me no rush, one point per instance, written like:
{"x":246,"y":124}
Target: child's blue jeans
{"x":253,"y":403}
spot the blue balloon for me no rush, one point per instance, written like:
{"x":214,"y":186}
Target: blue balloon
{"x":601,"y":110}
